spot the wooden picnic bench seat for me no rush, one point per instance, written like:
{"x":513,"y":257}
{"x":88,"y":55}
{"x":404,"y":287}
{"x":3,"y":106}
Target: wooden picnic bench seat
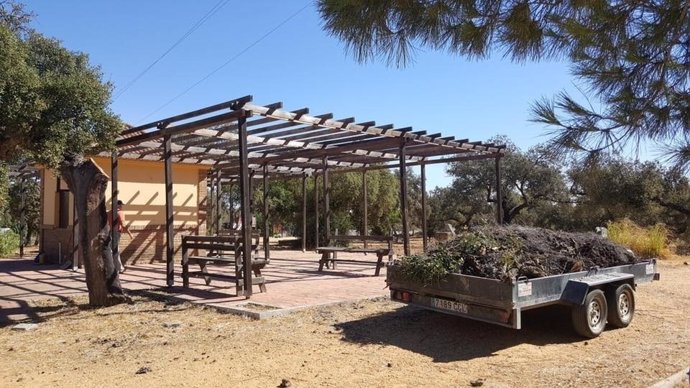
{"x":329,"y":254}
{"x":219,"y":251}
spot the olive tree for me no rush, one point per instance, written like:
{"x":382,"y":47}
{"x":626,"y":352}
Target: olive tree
{"x":54,"y":110}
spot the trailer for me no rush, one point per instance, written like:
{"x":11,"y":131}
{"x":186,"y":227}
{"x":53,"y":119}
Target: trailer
{"x":596,"y":296}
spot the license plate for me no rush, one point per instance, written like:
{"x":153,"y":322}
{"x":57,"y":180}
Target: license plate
{"x":450,"y":305}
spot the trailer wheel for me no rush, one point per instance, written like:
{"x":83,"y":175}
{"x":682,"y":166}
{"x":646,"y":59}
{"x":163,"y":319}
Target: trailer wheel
{"x":621,"y":306}
{"x":589,"y":319}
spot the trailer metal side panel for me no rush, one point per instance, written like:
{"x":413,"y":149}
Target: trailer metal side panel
{"x":494,"y":301}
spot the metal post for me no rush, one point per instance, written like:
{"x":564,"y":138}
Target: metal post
{"x":114,"y":172}
{"x":365,"y":194}
{"x":231,"y":204}
{"x":76,"y":241}
{"x":245,"y":192}
{"x":425,"y":238}
{"x":169,"y":232}
{"x":212,"y":202}
{"x":267,"y":252}
{"x":22,"y":216}
{"x":499,"y":195}
{"x":219,"y":189}
{"x":304,"y":212}
{"x":403,"y":197}
{"x":316,"y":209}
{"x":326,"y":200}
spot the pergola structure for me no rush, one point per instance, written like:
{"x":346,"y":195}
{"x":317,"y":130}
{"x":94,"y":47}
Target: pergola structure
{"x":238,"y":140}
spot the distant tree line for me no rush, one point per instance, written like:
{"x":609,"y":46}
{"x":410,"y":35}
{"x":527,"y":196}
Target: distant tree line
{"x":540,"y":187}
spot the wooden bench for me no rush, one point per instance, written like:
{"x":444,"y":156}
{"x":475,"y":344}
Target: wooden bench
{"x":220,"y":251}
{"x":329,"y":254}
{"x":237,"y":233}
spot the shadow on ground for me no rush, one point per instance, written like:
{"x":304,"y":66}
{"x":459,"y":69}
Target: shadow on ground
{"x":447,"y":338}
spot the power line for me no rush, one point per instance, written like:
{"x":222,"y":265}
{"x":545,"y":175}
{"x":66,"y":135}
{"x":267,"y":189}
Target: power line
{"x":234,"y":57}
{"x":220,"y":4}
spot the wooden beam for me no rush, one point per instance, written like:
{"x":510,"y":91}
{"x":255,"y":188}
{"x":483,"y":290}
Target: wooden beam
{"x":306,"y":119}
{"x":232,"y":104}
{"x":410,"y":164}
{"x":182,"y":128}
{"x":169,"y":231}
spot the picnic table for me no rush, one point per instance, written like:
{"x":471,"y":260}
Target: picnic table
{"x":329,"y":254}
{"x":213,"y":251}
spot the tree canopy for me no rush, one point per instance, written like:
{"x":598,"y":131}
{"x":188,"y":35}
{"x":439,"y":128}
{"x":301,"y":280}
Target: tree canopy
{"x":53,"y":102}
{"x":634,"y":57}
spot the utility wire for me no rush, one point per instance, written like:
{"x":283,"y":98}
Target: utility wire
{"x":220,"y":4}
{"x":234,"y":57}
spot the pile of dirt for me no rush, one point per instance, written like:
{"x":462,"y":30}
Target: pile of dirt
{"x":514,"y":251}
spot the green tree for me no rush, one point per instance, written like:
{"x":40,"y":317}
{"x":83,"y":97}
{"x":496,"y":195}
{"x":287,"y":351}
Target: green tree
{"x":644,"y":192}
{"x":25,"y":194}
{"x":633,"y":56}
{"x":54,"y":109}
{"x":529,"y":179}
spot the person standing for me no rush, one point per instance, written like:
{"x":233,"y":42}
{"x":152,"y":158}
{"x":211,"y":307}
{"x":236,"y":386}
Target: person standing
{"x":118,"y":223}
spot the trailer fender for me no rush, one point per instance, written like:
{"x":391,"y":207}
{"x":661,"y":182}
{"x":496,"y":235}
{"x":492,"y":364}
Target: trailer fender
{"x":576,"y":290}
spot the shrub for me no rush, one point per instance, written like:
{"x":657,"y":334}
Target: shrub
{"x":9,"y":242}
{"x":645,"y":242}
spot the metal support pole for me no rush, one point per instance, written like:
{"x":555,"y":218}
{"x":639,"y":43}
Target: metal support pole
{"x":212,"y":203}
{"x":219,"y":208}
{"x":403,"y":197}
{"x":326,"y":200}
{"x":425,"y":238}
{"x":304,"y":212}
{"x":169,"y":231}
{"x":114,"y":173}
{"x":231,"y":205}
{"x":499,"y":194}
{"x":267,"y":225}
{"x":22,"y":215}
{"x":76,"y":241}
{"x":245,"y":192}
{"x":365,"y":194}
{"x":316,"y":209}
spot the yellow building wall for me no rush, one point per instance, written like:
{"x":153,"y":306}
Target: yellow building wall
{"x":50,"y":199}
{"x":141,"y":186}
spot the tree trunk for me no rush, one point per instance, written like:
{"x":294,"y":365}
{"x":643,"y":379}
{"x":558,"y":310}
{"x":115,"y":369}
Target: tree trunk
{"x":88,"y":183}
{"x":673,"y":206}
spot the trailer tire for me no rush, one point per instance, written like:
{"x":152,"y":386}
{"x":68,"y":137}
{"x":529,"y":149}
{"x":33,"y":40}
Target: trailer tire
{"x":621,"y":304}
{"x":589,"y":319}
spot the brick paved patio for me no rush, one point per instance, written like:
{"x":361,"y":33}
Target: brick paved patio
{"x":293,"y":282}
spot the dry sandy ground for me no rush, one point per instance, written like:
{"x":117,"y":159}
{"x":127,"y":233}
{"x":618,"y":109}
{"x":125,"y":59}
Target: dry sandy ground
{"x":370,"y":343}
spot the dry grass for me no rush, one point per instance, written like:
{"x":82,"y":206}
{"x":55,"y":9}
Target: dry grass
{"x":646,"y":242}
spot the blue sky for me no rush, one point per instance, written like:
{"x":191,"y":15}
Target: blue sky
{"x":298,"y":64}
